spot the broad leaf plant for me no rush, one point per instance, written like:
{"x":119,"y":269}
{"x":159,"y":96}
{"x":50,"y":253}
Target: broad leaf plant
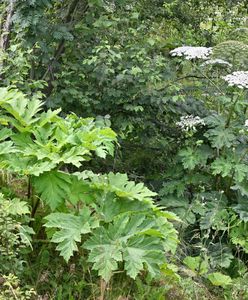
{"x":114,"y":219}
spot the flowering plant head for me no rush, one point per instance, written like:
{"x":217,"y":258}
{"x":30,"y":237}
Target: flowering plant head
{"x":190,"y":52}
{"x":238,"y":78}
{"x":190,"y":122}
{"x":216,"y":62}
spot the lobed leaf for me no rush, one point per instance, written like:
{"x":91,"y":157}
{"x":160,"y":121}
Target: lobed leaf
{"x":53,"y":187}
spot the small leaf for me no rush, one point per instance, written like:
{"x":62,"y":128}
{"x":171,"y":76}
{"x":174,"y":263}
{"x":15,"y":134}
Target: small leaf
{"x":239,"y":235}
{"x":196,"y":264}
{"x":242,"y":209}
{"x":18,"y":207}
{"x":242,"y":187}
{"x":7,"y":147}
{"x":25,"y":233}
{"x":5,"y":133}
{"x":241,"y":171}
{"x":222,"y":166}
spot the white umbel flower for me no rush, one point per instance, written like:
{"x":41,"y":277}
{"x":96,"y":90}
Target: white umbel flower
{"x":239,"y":79}
{"x":109,"y":6}
{"x":190,"y":52}
{"x":190,"y":122}
{"x":246,"y":123}
{"x":216,"y":61}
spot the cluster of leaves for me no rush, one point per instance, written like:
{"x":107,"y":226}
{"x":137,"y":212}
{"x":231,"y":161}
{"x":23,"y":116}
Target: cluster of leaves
{"x":45,"y":141}
{"x":125,"y":226}
{"x":14,"y":232}
{"x":11,"y":289}
{"x":209,"y":188}
{"x":114,"y":219}
{"x":15,"y":240}
{"x":110,"y":60}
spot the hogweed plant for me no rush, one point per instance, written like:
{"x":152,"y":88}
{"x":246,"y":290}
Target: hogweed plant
{"x":190,"y":52}
{"x":209,"y":190}
{"x":114,"y":220}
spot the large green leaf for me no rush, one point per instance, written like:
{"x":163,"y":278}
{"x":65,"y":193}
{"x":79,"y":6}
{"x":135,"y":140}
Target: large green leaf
{"x":195,"y":157}
{"x":120,"y":185}
{"x":49,"y":116}
{"x":124,"y":188}
{"x":220,"y":255}
{"x":241,"y":172}
{"x":80,"y":190}
{"x":136,"y":240}
{"x":221,"y":137}
{"x":105,"y":253}
{"x":111,"y":206}
{"x":20,"y":108}
{"x":143,"y":251}
{"x":27,"y":165}
{"x":70,"y":228}
{"x":53,"y":187}
{"x":219,"y":279}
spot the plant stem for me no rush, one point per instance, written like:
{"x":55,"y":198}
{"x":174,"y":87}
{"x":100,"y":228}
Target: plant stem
{"x":29,"y":187}
{"x":103,"y":286}
{"x":35,"y":207}
{"x":231,"y":113}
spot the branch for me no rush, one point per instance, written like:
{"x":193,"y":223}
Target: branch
{"x":61,"y":47}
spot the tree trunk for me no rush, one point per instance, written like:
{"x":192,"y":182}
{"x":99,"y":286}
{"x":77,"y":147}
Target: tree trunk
{"x":6,"y":27}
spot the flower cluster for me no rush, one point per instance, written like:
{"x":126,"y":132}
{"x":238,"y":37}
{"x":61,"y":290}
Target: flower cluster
{"x":190,"y":122}
{"x":239,"y":79}
{"x":217,"y":61}
{"x":110,"y":6}
{"x":246,"y":123}
{"x":190,"y":52}
{"x":128,"y":7}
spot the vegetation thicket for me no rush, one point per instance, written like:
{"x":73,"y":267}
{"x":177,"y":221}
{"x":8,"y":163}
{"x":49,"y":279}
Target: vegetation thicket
{"x":123,"y":149}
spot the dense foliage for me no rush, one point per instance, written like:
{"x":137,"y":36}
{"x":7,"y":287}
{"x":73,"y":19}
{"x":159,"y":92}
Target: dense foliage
{"x":97,"y":97}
